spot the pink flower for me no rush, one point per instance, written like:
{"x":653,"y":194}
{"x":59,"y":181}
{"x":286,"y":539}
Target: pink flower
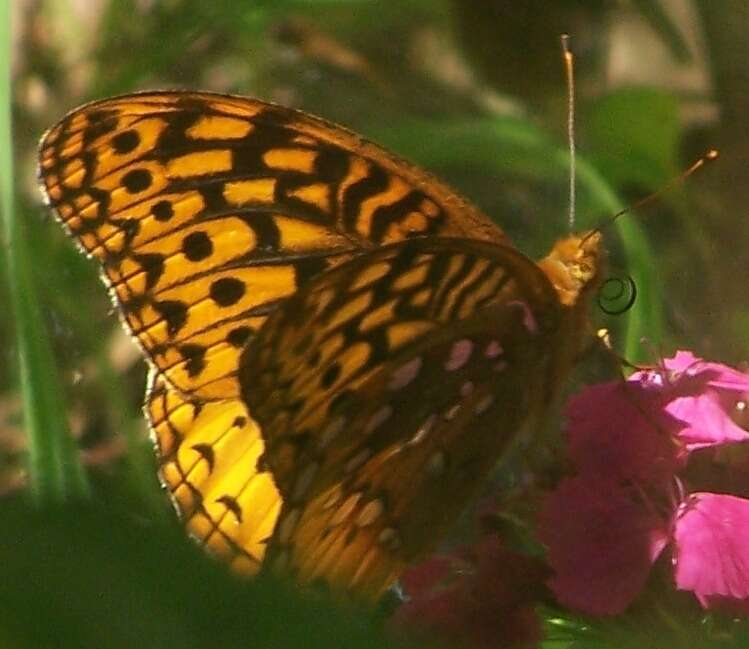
{"x":713,"y":531}
{"x":648,"y":478}
{"x":601,"y":543}
{"x":481,"y":597}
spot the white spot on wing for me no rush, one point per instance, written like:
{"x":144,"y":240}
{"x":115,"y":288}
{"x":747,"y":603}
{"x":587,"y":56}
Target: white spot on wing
{"x":529,"y":320}
{"x":466,"y":389}
{"x":406,"y":373}
{"x":378,"y":418}
{"x":331,"y":431}
{"x":423,"y":431}
{"x":355,"y":462}
{"x":493,"y":349}
{"x":459,"y":355}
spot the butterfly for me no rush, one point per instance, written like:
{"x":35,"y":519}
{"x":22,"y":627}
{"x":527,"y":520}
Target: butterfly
{"x":340,"y":346}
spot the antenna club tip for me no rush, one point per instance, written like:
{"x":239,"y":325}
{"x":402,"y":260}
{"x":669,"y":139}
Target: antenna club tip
{"x":712,"y":154}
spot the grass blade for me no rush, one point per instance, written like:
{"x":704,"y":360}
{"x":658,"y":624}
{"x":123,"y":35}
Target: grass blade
{"x":54,"y":467}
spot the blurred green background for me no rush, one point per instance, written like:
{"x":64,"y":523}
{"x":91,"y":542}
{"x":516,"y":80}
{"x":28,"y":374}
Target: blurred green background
{"x":472,"y":90}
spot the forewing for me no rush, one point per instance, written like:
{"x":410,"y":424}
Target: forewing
{"x":205,"y":211}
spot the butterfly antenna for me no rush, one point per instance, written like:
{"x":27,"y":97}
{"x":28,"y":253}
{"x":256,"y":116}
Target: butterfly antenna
{"x":709,"y":156}
{"x":569,"y":67}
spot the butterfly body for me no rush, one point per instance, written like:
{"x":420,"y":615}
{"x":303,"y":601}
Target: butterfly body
{"x":341,"y":347}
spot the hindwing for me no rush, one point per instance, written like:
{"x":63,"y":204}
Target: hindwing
{"x":387,"y":389}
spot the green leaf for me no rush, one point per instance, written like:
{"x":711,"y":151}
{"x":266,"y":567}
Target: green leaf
{"x":633,"y":135}
{"x":89,"y":577}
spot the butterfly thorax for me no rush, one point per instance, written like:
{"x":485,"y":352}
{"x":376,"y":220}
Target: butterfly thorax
{"x":573,"y":266}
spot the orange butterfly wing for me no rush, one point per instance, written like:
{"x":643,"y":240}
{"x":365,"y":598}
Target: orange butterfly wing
{"x":387,"y":390}
{"x":207,"y":214}
{"x":205,"y":211}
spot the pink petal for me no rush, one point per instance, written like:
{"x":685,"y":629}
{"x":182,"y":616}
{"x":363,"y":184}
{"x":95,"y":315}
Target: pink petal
{"x":601,"y":545}
{"x":687,"y":370}
{"x":716,"y":375}
{"x":707,"y":420}
{"x":619,"y":430}
{"x":726,"y":378}
{"x":703,"y":396}
{"x":712,"y":548}
{"x":687,"y":373}
{"x":681,"y":361}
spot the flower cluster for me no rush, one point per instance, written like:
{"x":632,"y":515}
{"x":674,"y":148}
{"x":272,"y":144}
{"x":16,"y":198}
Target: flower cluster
{"x":662,"y":467}
{"x":479,"y":597}
{"x":661,"y":477}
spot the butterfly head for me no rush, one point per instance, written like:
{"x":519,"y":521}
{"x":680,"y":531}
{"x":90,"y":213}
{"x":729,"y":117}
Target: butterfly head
{"x":574,"y":266}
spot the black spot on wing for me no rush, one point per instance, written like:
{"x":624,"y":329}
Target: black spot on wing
{"x":126,"y":142}
{"x":206,"y":452}
{"x":174,"y":312}
{"x":194,"y":356}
